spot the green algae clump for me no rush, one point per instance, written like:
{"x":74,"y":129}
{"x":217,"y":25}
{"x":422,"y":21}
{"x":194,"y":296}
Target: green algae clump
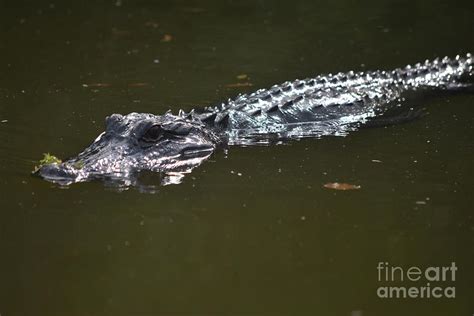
{"x":47,"y":159}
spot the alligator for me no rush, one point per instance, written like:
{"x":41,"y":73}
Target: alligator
{"x":334,"y":104}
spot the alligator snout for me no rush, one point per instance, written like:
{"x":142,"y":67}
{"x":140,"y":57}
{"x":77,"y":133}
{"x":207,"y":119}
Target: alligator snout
{"x":58,"y":173}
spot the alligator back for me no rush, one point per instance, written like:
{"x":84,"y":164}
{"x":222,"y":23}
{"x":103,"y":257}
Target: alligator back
{"x":331,"y":104}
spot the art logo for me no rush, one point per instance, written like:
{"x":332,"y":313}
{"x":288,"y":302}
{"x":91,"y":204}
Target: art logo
{"x":416,"y":282}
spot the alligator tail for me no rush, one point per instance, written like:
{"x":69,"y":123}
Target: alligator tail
{"x":447,"y":73}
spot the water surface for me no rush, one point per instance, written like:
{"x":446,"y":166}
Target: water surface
{"x":252,"y":231}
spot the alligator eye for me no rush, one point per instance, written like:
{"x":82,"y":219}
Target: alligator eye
{"x":153,"y":134}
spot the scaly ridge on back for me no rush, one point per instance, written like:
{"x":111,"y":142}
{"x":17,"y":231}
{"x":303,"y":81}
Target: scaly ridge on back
{"x":309,"y":99}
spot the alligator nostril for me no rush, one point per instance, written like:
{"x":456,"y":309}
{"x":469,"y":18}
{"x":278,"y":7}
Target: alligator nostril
{"x":113,"y":119}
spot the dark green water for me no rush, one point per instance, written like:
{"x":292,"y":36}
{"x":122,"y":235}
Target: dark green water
{"x":271,"y":241}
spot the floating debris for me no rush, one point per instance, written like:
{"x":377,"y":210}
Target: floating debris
{"x":138,"y":84}
{"x":96,"y":85}
{"x":242,"y":77}
{"x":239,"y":85}
{"x":4,"y":121}
{"x":47,"y":159}
{"x":167,"y":38}
{"x":376,"y":160}
{"x":342,"y":186}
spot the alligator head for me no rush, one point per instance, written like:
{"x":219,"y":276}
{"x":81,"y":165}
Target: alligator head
{"x":168,"y":144}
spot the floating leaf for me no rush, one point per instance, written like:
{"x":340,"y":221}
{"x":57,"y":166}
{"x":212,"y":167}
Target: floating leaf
{"x":167,"y":38}
{"x":342,"y":186}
